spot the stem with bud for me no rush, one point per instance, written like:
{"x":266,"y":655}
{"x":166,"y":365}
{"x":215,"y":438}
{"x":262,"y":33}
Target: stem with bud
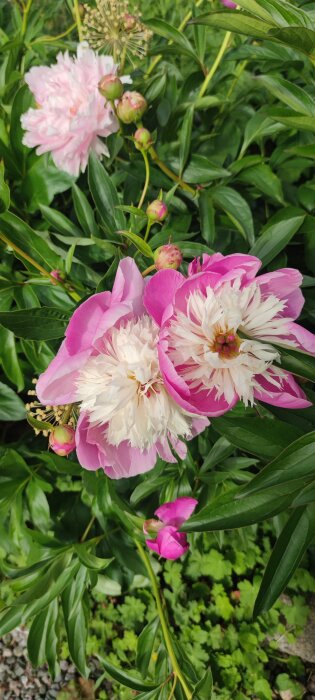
{"x":147,"y":177}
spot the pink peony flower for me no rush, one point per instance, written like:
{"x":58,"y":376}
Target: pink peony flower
{"x":108,"y":365}
{"x":71,"y":113}
{"x":211,"y":330}
{"x":170,"y":543}
{"x":228,"y":3}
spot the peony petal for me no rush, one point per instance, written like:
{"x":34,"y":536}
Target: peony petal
{"x":284,"y":284}
{"x":176,"y":512}
{"x":129,"y":285}
{"x":289,"y":395}
{"x":302,"y":337}
{"x":159,"y":292}
{"x":171,"y":543}
{"x":57,"y":385}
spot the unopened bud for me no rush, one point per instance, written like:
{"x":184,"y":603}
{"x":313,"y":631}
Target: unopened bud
{"x":157,"y":211}
{"x":57,"y":275}
{"x":130,"y":22}
{"x":143,"y":139}
{"x":131,"y":107}
{"x":168,"y":257}
{"x":62,"y":440}
{"x":111,"y":87}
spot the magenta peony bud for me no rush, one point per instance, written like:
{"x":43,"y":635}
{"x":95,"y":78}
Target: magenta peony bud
{"x":62,"y":440}
{"x":57,"y":275}
{"x":229,"y":3}
{"x":168,"y":257}
{"x":131,"y":107}
{"x":156,"y":211}
{"x":143,"y":139}
{"x":111,"y":87}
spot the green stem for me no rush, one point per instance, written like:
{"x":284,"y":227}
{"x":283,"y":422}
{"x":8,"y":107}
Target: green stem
{"x":148,"y":229}
{"x":88,"y":528}
{"x":149,"y":269}
{"x":51,"y":39}
{"x":25,"y":16}
{"x":147,"y":178}
{"x":76,"y":13}
{"x":169,"y":172}
{"x":38,"y":267}
{"x":216,"y":64}
{"x":163,"y":621}
{"x":171,"y":695}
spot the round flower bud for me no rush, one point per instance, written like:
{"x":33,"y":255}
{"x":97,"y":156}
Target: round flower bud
{"x":168,"y":257}
{"x":156,"y":211}
{"x":111,"y":87}
{"x":143,"y":139}
{"x":131,"y":107}
{"x":130,"y":22}
{"x":62,"y":440}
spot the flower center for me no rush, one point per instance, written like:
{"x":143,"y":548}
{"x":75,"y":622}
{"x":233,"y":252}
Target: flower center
{"x":226,"y":344}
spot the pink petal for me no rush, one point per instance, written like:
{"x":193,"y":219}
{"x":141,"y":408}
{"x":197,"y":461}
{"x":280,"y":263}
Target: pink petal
{"x":289,"y":395}
{"x":129,"y":285}
{"x":176,"y":512}
{"x":304,"y":338}
{"x":169,"y":543}
{"x":94,"y":452}
{"x":57,"y":385}
{"x":159,"y":292}
{"x":284,"y":284}
{"x":246,"y":265}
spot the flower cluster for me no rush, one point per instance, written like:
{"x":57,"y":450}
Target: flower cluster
{"x":112,"y":28}
{"x":146,"y":364}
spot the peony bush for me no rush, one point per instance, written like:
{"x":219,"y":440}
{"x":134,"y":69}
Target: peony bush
{"x":156,"y":229}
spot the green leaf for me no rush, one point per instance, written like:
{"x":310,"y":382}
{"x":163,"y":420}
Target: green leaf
{"x":60,"y":222}
{"x":38,"y":505}
{"x":9,"y":358}
{"x":39,"y":323}
{"x":292,"y":120}
{"x":9,"y":619}
{"x":292,"y":95}
{"x":259,"y":436}
{"x":263,"y":179}
{"x":4,"y":191}
{"x":277,"y":234}
{"x":295,"y":462}
{"x":297,"y":362}
{"x":162,"y":28}
{"x":206,"y":212}
{"x":140,"y":244}
{"x":19,"y":233}
{"x":43,"y":181}
{"x":42,"y":638}
{"x":300,"y":38}
{"x":126,"y":679}
{"x":22,"y":101}
{"x":90,"y":560}
{"x":145,"y":646}
{"x":203,"y":689}
{"x":237,"y":209}
{"x":84,"y":212}
{"x":75,"y":617}
{"x":185,"y":137}
{"x":105,"y":196}
{"x":200,"y":170}
{"x":11,"y":406}
{"x":145,"y":489}
{"x":294,"y":539}
{"x":221,"y":449}
{"x":239,"y":22}
{"x":240,"y":512}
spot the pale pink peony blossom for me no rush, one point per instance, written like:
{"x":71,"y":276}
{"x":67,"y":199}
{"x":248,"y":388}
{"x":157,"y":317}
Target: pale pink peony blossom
{"x":218,"y":331}
{"x":70,"y":115}
{"x":170,"y":543}
{"x":108,"y":365}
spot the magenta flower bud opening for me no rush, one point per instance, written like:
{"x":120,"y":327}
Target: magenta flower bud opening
{"x":168,"y":257}
{"x":131,"y":107}
{"x":111,"y":87}
{"x":143,"y":139}
{"x":157,"y":211}
{"x":57,"y":275}
{"x":170,"y":543}
{"x":228,"y":3}
{"x":62,"y":440}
